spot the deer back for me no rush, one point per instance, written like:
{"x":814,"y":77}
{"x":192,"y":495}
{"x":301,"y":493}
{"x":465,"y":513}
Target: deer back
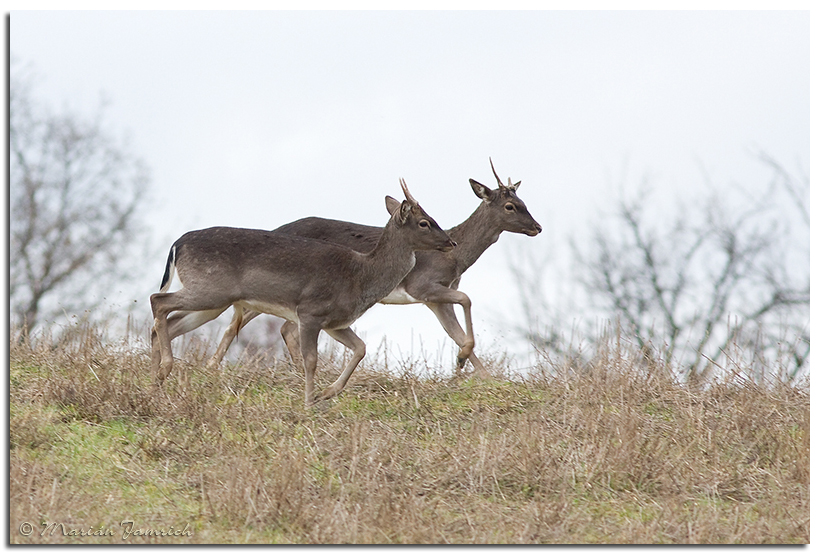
{"x":289,"y":275}
{"x":362,"y":238}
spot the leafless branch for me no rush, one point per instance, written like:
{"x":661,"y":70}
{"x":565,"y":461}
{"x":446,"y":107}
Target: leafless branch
{"x":75,"y":194}
{"x":715,"y":277}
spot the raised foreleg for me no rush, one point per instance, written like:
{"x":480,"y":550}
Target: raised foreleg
{"x":439,"y":294}
{"x":447,"y":317}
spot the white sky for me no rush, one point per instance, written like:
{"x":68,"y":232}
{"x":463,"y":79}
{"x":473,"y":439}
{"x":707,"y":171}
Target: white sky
{"x":255,"y":119}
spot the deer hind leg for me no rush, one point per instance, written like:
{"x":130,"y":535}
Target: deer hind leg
{"x":162,"y":359}
{"x":348,"y":338}
{"x":241,"y":317}
{"x":180,"y":323}
{"x":189,"y":315}
{"x":156,"y":355}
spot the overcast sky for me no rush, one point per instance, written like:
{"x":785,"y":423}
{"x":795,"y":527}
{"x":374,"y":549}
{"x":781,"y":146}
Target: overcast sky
{"x":255,"y":119}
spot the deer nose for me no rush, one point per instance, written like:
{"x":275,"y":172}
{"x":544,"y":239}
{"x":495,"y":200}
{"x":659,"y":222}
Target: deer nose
{"x":451,"y":244}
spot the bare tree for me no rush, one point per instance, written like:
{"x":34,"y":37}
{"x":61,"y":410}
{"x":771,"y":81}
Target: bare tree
{"x":75,"y":192}
{"x":717,"y":282}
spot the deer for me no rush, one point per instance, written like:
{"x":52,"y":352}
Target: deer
{"x":435,"y":278}
{"x":316,"y":285}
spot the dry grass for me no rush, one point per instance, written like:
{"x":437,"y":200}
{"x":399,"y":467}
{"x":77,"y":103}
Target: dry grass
{"x":618,"y":454}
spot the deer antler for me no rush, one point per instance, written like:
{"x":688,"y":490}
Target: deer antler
{"x":407,"y":193}
{"x":497,"y":178}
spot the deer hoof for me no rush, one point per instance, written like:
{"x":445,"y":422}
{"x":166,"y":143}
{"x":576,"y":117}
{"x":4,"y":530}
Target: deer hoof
{"x":318,"y":404}
{"x":466,"y":351}
{"x":464,"y":354}
{"x":326,"y":394}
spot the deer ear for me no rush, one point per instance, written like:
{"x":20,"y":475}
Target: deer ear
{"x":392,"y":204}
{"x":515,"y":186}
{"x":406,"y":208}
{"x":480,"y":190}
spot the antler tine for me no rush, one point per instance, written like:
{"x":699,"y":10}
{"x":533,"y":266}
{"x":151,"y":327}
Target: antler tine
{"x":407,"y":192}
{"x":497,"y":178}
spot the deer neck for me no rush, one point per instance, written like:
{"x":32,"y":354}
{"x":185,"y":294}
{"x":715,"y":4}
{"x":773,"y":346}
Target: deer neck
{"x":475,"y":235}
{"x":390,"y":261}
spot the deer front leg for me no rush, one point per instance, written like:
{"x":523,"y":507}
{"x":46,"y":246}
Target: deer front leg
{"x":309,"y":345}
{"x":290,"y":334}
{"x":447,"y":317}
{"x":348,"y":338}
{"x":439,"y":294}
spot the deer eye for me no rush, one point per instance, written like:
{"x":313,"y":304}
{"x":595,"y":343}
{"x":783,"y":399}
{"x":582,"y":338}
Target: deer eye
{"x":509,"y":207}
{"x":424,"y":224}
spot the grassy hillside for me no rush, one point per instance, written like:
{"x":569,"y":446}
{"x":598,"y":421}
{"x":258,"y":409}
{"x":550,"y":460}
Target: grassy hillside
{"x":618,"y":453}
